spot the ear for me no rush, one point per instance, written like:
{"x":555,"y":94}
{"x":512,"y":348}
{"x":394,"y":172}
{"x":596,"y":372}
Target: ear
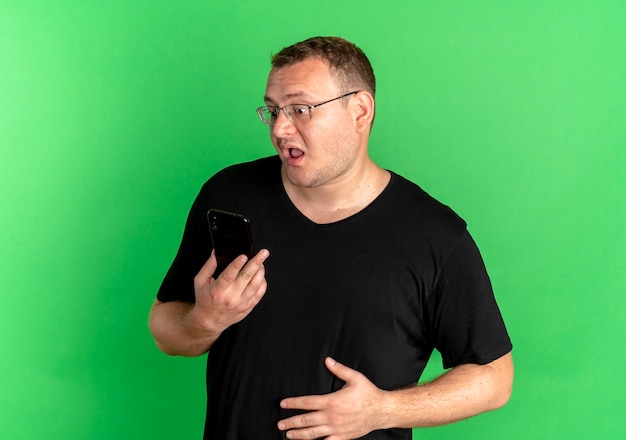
{"x":363,"y":106}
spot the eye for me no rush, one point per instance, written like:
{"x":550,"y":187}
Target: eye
{"x":300,"y":110}
{"x":272,"y":112}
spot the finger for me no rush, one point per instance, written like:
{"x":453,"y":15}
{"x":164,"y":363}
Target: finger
{"x":206,"y":271}
{"x":254,"y":290}
{"x":233,"y":272}
{"x":301,"y":421}
{"x":343,"y":372}
{"x":309,"y":403}
{"x":252,"y":267}
{"x":314,"y":432}
{"x":229,"y":274}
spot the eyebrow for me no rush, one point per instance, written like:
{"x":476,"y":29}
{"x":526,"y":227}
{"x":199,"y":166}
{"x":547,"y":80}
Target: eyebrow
{"x":290,"y":96}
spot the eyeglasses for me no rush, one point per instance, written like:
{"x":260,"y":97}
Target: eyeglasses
{"x":294,"y":112}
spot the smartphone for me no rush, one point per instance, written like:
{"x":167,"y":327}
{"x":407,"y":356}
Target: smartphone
{"x":231,"y":237}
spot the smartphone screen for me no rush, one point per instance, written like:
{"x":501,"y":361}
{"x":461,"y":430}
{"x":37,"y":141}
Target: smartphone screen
{"x":231,"y":237}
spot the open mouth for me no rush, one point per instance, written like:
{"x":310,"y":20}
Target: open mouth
{"x":294,"y":153}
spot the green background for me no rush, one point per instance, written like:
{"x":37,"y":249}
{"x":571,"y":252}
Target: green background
{"x":112,"y":114}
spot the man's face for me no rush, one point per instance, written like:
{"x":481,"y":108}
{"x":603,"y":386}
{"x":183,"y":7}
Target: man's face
{"x":320,"y":150}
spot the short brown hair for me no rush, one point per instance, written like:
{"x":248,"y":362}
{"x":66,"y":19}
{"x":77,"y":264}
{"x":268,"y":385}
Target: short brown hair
{"x":346,"y":60}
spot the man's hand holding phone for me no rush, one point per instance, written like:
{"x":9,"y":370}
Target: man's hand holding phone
{"x":228,"y":299}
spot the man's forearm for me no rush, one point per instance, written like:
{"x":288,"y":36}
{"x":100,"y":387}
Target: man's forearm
{"x":462,"y":392}
{"x":175,"y":331}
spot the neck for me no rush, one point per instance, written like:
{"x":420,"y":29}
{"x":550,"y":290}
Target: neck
{"x":340,"y":199}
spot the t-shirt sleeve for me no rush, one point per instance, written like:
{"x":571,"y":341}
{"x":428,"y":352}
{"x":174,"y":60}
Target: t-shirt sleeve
{"x":467,"y":323}
{"x":194,"y":251}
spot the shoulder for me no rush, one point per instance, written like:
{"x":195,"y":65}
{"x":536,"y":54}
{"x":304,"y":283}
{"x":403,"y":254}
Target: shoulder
{"x":421,"y":209}
{"x":247,"y":171}
{"x":240,"y":176}
{"x":236,"y":186}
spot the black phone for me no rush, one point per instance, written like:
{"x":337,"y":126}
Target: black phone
{"x":231,"y":236}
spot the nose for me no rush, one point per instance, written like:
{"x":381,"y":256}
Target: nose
{"x":282,"y":125}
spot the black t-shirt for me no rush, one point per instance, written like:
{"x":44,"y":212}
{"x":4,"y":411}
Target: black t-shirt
{"x":377,"y":291}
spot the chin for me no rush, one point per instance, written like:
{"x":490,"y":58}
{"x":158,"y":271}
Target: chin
{"x":297,"y":178}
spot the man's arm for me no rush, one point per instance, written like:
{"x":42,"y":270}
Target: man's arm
{"x":464,"y":391}
{"x":360,"y":407}
{"x":176,"y":331}
{"x":187,"y":329}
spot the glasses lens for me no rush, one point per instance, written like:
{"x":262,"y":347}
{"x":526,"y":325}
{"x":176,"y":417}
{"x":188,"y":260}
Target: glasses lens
{"x":265,"y":115}
{"x":271,"y":114}
{"x":298,"y":111}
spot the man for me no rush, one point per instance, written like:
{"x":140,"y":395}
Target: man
{"x":368,"y":274}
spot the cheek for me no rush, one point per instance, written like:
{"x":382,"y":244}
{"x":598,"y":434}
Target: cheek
{"x":335,"y":142}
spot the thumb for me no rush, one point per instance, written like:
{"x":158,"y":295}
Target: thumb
{"x":344,"y":373}
{"x":206,"y":271}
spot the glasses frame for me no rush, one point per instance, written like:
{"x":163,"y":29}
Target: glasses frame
{"x":288,"y":110}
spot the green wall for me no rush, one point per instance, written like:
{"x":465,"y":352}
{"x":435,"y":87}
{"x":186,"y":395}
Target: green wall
{"x":112,"y":114}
